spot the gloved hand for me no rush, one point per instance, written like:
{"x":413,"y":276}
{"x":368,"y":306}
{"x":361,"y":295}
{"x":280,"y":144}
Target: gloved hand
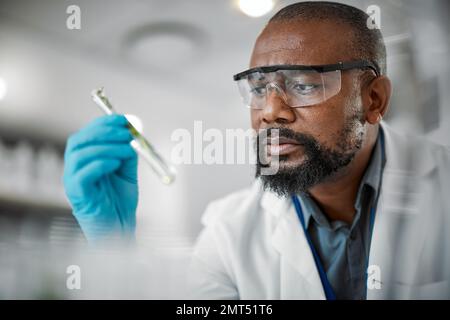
{"x":100,"y":178}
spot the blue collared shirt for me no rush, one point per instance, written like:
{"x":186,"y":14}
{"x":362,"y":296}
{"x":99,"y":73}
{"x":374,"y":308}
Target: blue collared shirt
{"x":342,"y":248}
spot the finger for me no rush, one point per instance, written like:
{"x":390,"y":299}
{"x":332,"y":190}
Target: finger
{"x":109,"y":120}
{"x":97,"y":135}
{"x":113,"y":120}
{"x":80,"y":157}
{"x":128,"y":169}
{"x":95,"y":170}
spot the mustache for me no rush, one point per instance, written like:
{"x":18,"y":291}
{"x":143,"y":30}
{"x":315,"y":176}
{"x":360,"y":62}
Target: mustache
{"x":283,"y":132}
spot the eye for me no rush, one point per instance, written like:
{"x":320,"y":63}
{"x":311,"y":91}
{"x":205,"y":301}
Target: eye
{"x":258,"y":91}
{"x":305,"y":88}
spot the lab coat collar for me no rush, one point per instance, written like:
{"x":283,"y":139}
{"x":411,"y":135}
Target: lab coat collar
{"x":406,"y":155}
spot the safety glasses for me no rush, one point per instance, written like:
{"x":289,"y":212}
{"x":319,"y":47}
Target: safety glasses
{"x":298,"y":85}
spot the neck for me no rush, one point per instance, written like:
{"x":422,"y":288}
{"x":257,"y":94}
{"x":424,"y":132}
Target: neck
{"x":337,"y":197}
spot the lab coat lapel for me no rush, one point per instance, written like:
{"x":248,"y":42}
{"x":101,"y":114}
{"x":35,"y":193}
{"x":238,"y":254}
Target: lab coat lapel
{"x":397,"y":210}
{"x":299,"y":278}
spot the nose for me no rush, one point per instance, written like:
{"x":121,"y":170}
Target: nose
{"x":276,"y":109}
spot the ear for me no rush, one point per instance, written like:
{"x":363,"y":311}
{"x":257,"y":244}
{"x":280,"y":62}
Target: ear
{"x":376,"y":96}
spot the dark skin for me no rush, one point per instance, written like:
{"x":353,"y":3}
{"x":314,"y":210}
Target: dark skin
{"x":315,"y":43}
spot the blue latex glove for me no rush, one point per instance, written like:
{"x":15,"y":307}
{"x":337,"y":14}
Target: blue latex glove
{"x":100,"y":178}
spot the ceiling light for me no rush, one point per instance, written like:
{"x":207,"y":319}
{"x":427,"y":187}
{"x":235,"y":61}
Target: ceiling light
{"x":256,"y":8}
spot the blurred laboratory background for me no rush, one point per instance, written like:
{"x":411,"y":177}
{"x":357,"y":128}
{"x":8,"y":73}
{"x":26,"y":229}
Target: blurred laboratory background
{"x":169,"y":63}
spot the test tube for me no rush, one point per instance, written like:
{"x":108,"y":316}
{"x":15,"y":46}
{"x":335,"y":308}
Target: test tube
{"x":164,"y":170}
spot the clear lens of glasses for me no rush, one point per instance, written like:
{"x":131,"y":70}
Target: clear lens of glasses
{"x":298,"y":88}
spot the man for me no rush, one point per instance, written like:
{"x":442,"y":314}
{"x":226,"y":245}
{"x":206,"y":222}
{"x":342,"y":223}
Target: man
{"x":348,"y":213}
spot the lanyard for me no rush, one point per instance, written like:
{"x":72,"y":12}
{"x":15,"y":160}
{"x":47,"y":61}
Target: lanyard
{"x":329,"y":293}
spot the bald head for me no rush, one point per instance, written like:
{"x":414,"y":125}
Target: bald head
{"x":303,"y":42}
{"x":318,"y":28}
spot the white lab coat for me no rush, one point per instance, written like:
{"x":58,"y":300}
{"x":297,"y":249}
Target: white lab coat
{"x":253,"y":247}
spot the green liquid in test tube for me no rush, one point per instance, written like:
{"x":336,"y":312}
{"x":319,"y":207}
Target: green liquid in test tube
{"x":165,"y":171}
